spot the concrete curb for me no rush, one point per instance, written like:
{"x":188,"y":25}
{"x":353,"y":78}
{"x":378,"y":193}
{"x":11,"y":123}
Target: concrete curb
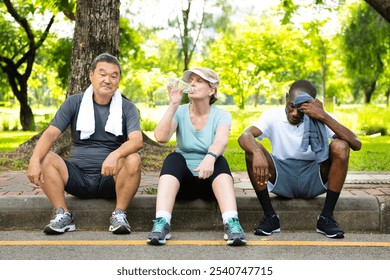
{"x":363,"y":206}
{"x":384,"y":206}
{"x":353,"y":213}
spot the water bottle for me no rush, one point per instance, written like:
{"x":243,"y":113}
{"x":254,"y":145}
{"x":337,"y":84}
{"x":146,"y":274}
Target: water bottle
{"x":173,"y":82}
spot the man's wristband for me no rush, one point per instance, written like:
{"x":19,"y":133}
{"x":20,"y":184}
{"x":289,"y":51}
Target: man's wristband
{"x":212,"y":154}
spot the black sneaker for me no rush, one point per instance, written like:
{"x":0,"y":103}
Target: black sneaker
{"x":268,"y":225}
{"x":329,"y":227}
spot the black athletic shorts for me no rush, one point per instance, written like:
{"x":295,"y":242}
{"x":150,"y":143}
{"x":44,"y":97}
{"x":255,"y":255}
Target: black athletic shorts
{"x":89,"y":184}
{"x":191,"y":187}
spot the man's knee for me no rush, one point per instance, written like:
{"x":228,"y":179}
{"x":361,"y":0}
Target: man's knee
{"x":51,"y":159}
{"x":340,"y":149}
{"x":133,"y":163}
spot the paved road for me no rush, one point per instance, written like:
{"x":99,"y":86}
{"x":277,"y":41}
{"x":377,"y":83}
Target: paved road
{"x":82,"y":245}
{"x":101,"y":255}
{"x":288,"y":255}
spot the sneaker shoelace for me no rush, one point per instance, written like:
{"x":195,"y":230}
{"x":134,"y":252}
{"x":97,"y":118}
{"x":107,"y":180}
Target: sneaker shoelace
{"x":57,"y":218}
{"x":267,"y":220}
{"x":330,"y":220}
{"x":120,"y":217}
{"x":234,"y":226}
{"x":158,"y":225}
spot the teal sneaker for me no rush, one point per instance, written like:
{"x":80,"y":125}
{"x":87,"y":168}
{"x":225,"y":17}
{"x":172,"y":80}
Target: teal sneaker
{"x":160,"y":232}
{"x":234,"y":234}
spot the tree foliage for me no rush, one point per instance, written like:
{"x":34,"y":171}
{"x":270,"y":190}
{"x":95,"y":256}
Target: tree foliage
{"x":21,"y":42}
{"x":96,"y":31}
{"x":192,"y":25}
{"x":382,"y":7}
{"x":268,"y":56}
{"x":256,"y":58}
{"x":366,"y":41}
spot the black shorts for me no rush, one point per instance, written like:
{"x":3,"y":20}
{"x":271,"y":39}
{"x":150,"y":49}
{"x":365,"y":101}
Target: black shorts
{"x":89,"y":184}
{"x":191,"y":187}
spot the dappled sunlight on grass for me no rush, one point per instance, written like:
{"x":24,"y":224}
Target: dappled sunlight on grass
{"x":10,"y":140}
{"x":374,"y":155}
{"x":364,"y":119}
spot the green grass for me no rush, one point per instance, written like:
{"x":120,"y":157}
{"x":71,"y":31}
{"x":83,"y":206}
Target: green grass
{"x":235,"y":155}
{"x":374,"y":155}
{"x":364,"y":119}
{"x":10,"y":140}
{"x":375,"y":152}
{"x":9,"y":117}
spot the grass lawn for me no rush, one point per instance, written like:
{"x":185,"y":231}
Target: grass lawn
{"x":10,"y":140}
{"x":362,"y":119}
{"x":374,"y":155}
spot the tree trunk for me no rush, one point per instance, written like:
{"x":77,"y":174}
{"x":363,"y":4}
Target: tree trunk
{"x":96,"y":31}
{"x":151,"y":101}
{"x":188,"y":44}
{"x":256,"y":98}
{"x":26,"y":117}
{"x":25,"y":62}
{"x":382,"y":7}
{"x":18,"y":83}
{"x":323,"y":76}
{"x":369,"y":91}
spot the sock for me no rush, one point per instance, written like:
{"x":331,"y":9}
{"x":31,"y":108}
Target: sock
{"x":265,"y":202}
{"x":229,"y":214}
{"x":164,"y":214}
{"x":330,"y":203}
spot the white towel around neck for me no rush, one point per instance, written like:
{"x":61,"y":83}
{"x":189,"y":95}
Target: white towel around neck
{"x":86,"y":118}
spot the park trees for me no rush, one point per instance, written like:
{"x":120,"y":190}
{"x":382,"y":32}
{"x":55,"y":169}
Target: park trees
{"x":264,"y":59}
{"x":195,"y":22}
{"x":147,"y":61}
{"x":191,"y":25}
{"x":268,"y":56}
{"x":382,"y":7}
{"x":96,"y":31}
{"x":366,"y":41}
{"x":191,"y":31}
{"x":20,"y":42}
{"x":171,"y":41}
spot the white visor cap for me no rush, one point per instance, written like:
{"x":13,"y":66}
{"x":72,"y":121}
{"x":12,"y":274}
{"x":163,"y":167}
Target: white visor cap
{"x":207,"y":74}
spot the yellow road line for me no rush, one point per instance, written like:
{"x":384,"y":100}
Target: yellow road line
{"x":190,"y":243}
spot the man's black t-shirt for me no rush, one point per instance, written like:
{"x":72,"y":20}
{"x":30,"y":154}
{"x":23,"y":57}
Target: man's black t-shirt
{"x":89,"y":154}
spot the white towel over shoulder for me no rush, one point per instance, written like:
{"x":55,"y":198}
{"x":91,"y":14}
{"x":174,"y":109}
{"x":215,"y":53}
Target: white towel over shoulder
{"x":86,"y":118}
